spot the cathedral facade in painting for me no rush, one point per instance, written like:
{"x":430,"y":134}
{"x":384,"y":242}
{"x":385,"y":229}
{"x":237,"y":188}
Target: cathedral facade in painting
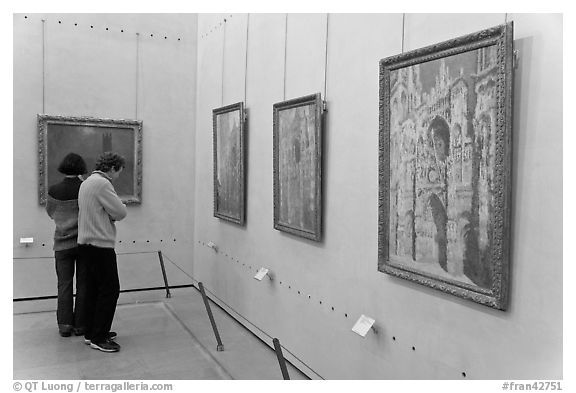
{"x":442,"y":150}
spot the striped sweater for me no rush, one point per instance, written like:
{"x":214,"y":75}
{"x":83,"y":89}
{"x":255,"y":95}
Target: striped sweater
{"x":65,"y":215}
{"x":99,"y":209}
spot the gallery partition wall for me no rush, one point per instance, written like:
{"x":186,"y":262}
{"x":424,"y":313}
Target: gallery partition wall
{"x":95,"y":82}
{"x":506,"y":324}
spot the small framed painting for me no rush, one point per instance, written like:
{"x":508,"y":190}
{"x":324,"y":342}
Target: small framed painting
{"x":297,"y":145}
{"x":229,"y":163}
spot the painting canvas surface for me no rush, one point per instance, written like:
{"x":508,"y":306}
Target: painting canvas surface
{"x":297,"y":158}
{"x":228,"y":164}
{"x":442,"y":159}
{"x":90,"y":142}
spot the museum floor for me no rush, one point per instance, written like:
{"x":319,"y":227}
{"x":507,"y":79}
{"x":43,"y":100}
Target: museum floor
{"x":164,"y":339}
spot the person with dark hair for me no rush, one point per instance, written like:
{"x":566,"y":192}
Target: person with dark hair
{"x":62,"y":207}
{"x":100,"y":207}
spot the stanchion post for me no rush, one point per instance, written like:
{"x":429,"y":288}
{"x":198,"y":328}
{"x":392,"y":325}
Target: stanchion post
{"x":280,"y":357}
{"x":220,"y":346}
{"x":168,"y":295}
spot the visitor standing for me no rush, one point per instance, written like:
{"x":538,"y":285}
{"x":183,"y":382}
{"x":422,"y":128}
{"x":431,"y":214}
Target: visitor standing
{"x":62,"y":207}
{"x":100,"y":208}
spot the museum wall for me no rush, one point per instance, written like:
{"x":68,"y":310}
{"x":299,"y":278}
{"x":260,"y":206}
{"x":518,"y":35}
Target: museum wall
{"x":118,"y":66}
{"x":320,"y":289}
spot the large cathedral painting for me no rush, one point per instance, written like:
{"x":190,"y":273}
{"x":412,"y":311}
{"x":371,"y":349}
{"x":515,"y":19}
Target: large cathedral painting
{"x":298,"y":166}
{"x":229,"y":168}
{"x":445,"y":164}
{"x":90,"y":137}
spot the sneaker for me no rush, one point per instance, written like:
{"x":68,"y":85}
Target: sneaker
{"x":105,"y":346}
{"x":111,"y":336}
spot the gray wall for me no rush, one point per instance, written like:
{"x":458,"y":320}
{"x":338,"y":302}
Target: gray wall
{"x":92,"y":72}
{"x":450,"y":335}
{"x":74,"y":70}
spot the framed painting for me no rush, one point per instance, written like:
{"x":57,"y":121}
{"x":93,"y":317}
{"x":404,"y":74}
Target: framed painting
{"x":229,"y":163}
{"x":297,"y":145}
{"x":89,"y":137}
{"x":445,"y":165}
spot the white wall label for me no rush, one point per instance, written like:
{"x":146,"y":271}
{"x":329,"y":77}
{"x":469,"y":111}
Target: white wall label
{"x":261,"y":274}
{"x":26,"y":240}
{"x":363,"y":324}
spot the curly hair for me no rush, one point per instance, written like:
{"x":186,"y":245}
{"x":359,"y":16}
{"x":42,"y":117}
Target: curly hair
{"x":109,"y":160}
{"x":72,"y":164}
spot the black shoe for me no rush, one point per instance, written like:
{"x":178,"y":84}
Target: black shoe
{"x":111,"y":336}
{"x":79,"y":331}
{"x":65,"y":330}
{"x":105,"y":346}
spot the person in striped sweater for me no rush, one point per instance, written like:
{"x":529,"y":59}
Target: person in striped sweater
{"x":99,"y":209}
{"x":62,"y":207}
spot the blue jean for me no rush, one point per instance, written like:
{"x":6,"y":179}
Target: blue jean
{"x":68,"y":314}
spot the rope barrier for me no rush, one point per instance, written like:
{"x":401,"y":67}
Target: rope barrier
{"x":194,"y":281}
{"x":240,"y":315}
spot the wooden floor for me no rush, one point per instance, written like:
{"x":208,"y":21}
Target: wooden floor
{"x":163,"y":339}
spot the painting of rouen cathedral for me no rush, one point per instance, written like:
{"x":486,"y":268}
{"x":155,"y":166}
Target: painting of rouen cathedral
{"x":228,"y":166}
{"x":442,"y":151}
{"x":297,"y":168}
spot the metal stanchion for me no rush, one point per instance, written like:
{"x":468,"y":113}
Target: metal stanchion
{"x":220,"y":346}
{"x":280,"y":357}
{"x":168,"y":295}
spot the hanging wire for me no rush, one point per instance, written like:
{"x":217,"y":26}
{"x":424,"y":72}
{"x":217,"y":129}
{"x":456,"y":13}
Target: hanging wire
{"x":246,"y":59}
{"x":285,"y":53}
{"x":403,"y":24}
{"x":223,"y":55}
{"x":137,"y":72}
{"x":326,"y":59}
{"x":43,"y":65}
